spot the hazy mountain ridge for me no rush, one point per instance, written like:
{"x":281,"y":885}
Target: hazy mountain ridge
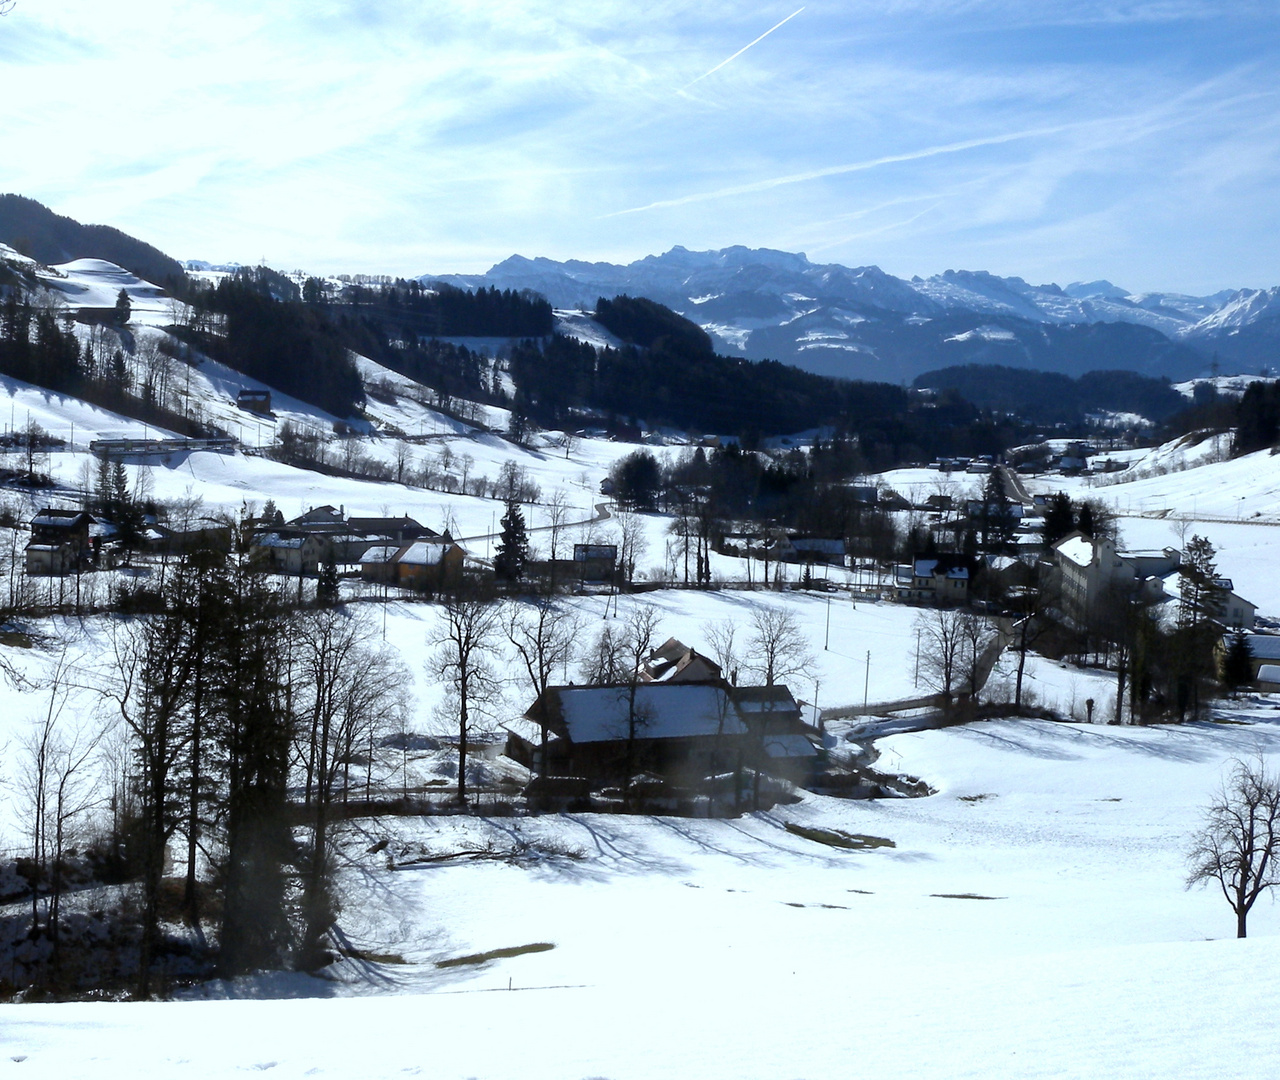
{"x":861,"y":322}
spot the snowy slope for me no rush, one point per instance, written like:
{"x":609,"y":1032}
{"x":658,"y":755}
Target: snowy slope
{"x":1023,"y":924}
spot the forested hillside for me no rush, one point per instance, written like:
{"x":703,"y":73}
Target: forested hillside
{"x":50,"y":238}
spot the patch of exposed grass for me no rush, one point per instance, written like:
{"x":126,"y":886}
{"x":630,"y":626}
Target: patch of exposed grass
{"x":861,"y":892}
{"x":495,"y":954}
{"x":15,"y":639}
{"x":965,"y":896}
{"x":376,"y":957}
{"x":838,"y":839}
{"x":977,"y":798}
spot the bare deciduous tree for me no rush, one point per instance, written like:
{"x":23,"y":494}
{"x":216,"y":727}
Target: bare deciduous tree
{"x":722,"y":637}
{"x":940,"y":633}
{"x":463,"y":646}
{"x":777,"y":647}
{"x":1238,"y":844}
{"x":545,"y":638}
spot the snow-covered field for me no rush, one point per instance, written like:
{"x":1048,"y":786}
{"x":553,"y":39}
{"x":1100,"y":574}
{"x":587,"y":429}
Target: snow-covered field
{"x":1029,"y":921}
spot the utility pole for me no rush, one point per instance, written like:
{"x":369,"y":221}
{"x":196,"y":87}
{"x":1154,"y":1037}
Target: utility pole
{"x":866,"y":682}
{"x":826,"y":644}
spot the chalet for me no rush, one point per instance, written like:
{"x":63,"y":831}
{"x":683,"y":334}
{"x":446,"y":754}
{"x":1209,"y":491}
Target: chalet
{"x":673,"y":730}
{"x":59,"y":541}
{"x":673,"y":662}
{"x":255,"y":401}
{"x":429,"y":564}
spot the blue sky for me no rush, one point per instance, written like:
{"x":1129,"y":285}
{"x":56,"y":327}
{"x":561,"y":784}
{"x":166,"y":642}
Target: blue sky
{"x":1137,"y":140}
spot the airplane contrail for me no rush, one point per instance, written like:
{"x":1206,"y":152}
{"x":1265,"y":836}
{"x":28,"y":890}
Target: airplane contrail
{"x":740,"y":51}
{"x":852,"y":167}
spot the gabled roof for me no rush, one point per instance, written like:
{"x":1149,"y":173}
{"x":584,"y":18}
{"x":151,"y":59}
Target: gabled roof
{"x":388,"y":524}
{"x":61,"y":519}
{"x":663,"y":711}
{"x":424,"y":552}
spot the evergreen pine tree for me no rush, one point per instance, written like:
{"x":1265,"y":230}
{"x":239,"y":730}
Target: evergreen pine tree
{"x":1237,"y":664}
{"x":1058,"y":518}
{"x":513,"y":545}
{"x":327,"y":585}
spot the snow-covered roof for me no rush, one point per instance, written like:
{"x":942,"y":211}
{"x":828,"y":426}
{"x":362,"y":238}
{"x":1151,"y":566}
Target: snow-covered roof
{"x":423,"y":553}
{"x":380,"y":553}
{"x":663,"y":711}
{"x":1077,"y":549}
{"x":275,"y":540}
{"x":60,"y":519}
{"x":1269,"y":673}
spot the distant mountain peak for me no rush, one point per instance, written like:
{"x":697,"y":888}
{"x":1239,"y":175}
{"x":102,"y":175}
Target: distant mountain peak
{"x":862,"y":322}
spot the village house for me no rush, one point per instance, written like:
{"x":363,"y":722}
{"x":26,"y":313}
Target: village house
{"x":945,"y":579}
{"x":773,"y":716}
{"x":673,"y":661}
{"x":675,"y":730}
{"x":59,"y":541}
{"x":1264,"y":651}
{"x":296,"y":555}
{"x":184,"y":537}
{"x":678,"y":731}
{"x":255,"y":401}
{"x":378,"y":563}
{"x":429,"y":565}
{"x":813,"y":549}
{"x":595,"y":562}
{"x":319,"y":519}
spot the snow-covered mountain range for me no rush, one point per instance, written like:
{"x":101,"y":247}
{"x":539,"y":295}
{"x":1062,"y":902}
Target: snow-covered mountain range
{"x":862,"y":322}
